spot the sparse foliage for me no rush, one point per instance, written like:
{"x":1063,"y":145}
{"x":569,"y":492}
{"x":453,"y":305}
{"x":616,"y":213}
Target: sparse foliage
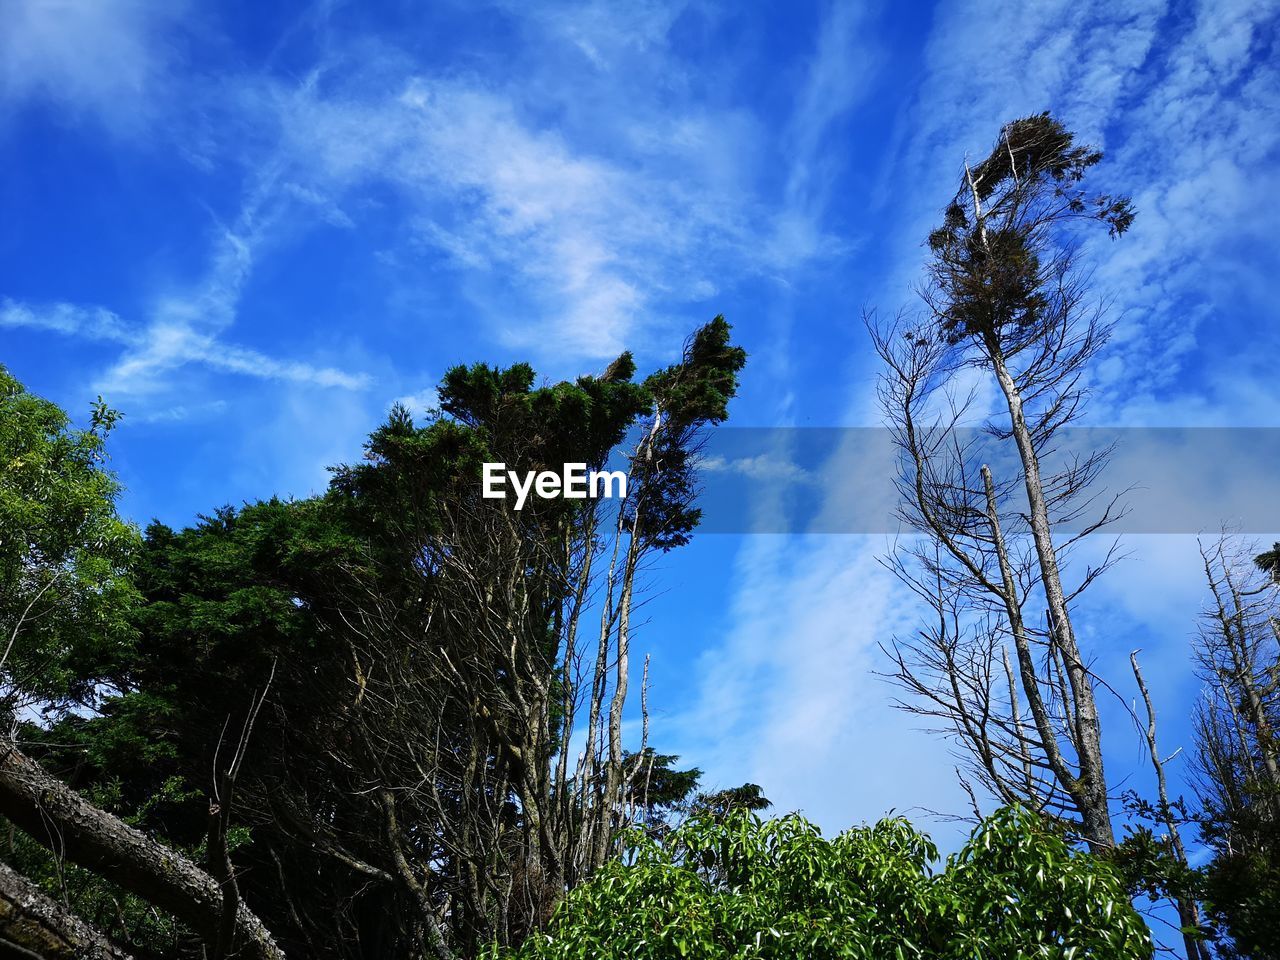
{"x":997,"y":665}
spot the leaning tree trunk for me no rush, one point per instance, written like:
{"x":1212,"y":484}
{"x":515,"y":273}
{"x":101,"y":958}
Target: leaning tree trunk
{"x":1091,"y":793}
{"x":60,"y":819}
{"x":34,"y":925}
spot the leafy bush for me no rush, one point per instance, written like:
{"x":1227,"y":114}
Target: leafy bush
{"x":741,"y":887}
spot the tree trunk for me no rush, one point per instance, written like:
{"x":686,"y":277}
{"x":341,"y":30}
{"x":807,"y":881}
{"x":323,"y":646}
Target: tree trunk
{"x":1188,"y":909}
{"x":60,"y":819}
{"x":38,"y":926}
{"x":1094,"y":802}
{"x":1026,"y":661}
{"x":426,"y":912}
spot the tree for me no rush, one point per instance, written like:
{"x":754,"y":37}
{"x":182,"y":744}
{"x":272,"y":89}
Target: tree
{"x":71,"y":827}
{"x":42,"y":927}
{"x":415,"y":785}
{"x":740,"y":887}
{"x":1238,"y":773}
{"x":1004,"y":298}
{"x":64,"y":589}
{"x":65,"y":596}
{"x":1159,"y":865}
{"x":474,"y":731}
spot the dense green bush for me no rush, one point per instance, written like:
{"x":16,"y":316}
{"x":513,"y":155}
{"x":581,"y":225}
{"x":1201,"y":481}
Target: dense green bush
{"x":741,"y":887}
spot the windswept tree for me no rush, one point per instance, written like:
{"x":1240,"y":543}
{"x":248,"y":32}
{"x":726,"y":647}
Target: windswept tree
{"x":434,"y":682}
{"x":998,"y":664}
{"x":477,"y":684}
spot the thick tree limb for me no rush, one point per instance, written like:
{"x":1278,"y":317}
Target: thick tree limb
{"x":35,"y":924}
{"x":60,"y":819}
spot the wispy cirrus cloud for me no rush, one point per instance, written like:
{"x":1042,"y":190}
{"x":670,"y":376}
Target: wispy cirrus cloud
{"x":840,"y":73}
{"x":593,"y":244}
{"x":1182,"y":101}
{"x":604,"y":32}
{"x":92,"y":323}
{"x":789,"y":697}
{"x":591,"y":190}
{"x":186,"y":322}
{"x":1199,"y":151}
{"x":161,"y":347}
{"x":587,"y":198}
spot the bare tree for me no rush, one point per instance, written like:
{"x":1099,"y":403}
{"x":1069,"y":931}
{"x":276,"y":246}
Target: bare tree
{"x":1005,"y":300}
{"x":1237,"y":761}
{"x":1184,"y":901}
{"x":1238,"y":655}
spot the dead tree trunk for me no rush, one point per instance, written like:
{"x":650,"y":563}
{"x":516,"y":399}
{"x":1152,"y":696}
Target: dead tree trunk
{"x":1091,"y":787}
{"x":1188,"y":909}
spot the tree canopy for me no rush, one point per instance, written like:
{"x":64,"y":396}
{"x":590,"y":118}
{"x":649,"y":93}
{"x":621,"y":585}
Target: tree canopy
{"x":64,"y":554}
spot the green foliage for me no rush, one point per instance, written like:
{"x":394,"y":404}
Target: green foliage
{"x":700,"y":386}
{"x":1242,"y":893}
{"x":666,"y":796}
{"x":1269,"y":561}
{"x":722,"y":803}
{"x":331,"y":596}
{"x":579,"y":421}
{"x":220,"y":603}
{"x":416,"y":477}
{"x":994,"y":269}
{"x":64,"y":552}
{"x":1241,"y":883}
{"x":662,"y":787}
{"x":739,"y":887}
{"x":1149,"y":862}
{"x":1236,"y":738}
{"x":687,"y":396}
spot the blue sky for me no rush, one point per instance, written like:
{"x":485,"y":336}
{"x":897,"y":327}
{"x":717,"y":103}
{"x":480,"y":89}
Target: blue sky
{"x":252,"y":227}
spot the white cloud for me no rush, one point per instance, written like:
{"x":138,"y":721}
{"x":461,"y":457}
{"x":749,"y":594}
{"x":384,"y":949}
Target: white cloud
{"x":594,"y":243}
{"x":180,"y":413}
{"x":839,"y":75}
{"x":92,"y":323}
{"x":421,"y":403}
{"x":185,"y":324}
{"x":790,"y":699}
{"x":154,"y":350}
{"x":106,"y":58}
{"x":603,"y":31}
{"x":1199,"y":153}
{"x":292,"y":439}
{"x":760,"y":467}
